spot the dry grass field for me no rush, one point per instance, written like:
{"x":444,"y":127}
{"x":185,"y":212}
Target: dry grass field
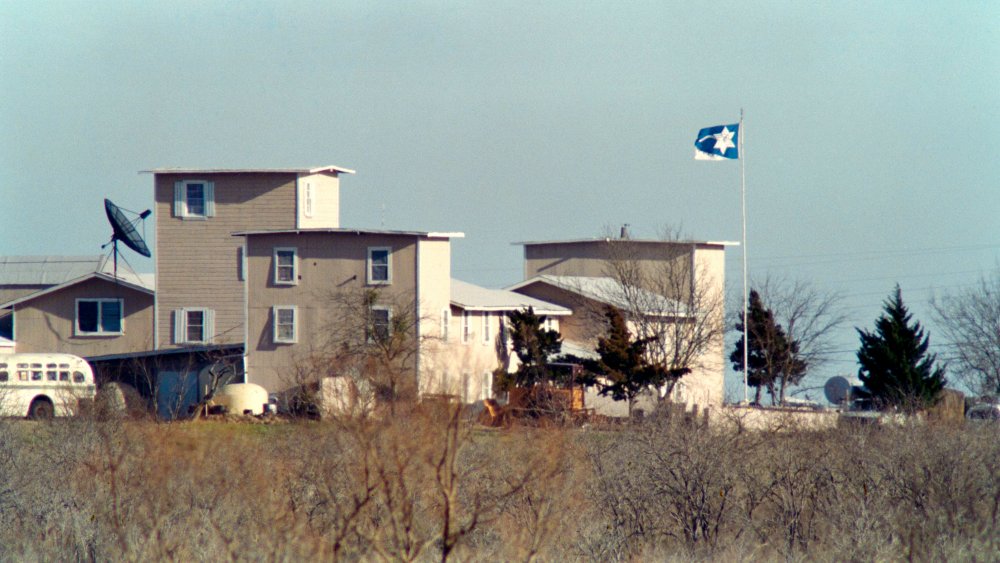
{"x":432,"y":486}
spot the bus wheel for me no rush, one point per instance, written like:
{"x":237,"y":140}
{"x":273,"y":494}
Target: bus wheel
{"x":41,"y":409}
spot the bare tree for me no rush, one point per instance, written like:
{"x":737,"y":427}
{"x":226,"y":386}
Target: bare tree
{"x":669,"y":298}
{"x":970,"y":321}
{"x":808,"y":317}
{"x":373,"y":335}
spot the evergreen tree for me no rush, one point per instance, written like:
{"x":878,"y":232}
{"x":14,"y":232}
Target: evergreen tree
{"x":534,"y":345}
{"x":623,"y":362}
{"x":773,"y":357}
{"x":895,"y":368}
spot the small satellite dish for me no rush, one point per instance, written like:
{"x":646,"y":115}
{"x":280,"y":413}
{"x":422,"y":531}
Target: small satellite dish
{"x":124,"y":230}
{"x":839,"y":390}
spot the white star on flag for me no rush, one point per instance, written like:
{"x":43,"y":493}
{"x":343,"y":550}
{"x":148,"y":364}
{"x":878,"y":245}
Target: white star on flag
{"x":724,"y":140}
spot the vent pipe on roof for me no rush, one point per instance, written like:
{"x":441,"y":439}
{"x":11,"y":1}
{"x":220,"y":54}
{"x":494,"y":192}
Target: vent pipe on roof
{"x":624,"y":234}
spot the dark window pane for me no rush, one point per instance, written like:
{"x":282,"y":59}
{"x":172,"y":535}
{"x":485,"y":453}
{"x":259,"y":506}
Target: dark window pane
{"x":196,"y":199}
{"x":111,"y":316}
{"x":195,"y":326}
{"x":87,"y":316}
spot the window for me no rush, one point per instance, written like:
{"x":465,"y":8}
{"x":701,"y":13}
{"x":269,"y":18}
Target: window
{"x":379,"y":266}
{"x":286,"y":266}
{"x":241,"y":263}
{"x":486,"y":328}
{"x":445,"y":323}
{"x":486,"y":386}
{"x":194,"y":199}
{"x":193,"y":325}
{"x":504,"y":333}
{"x":308,"y":205}
{"x":379,"y":327}
{"x":285,"y":324}
{"x":96,"y":317}
{"x":466,"y":329}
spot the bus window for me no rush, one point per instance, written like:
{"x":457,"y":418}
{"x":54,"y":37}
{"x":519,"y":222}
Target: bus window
{"x":22,"y":374}
{"x":36,"y":366}
{"x":51,"y":366}
{"x":3,"y":366}
{"x":4,"y":376}
{"x":51,"y":375}
{"x":78,"y":377}
{"x":64,"y":376}
{"x":63,"y":366}
{"x":36,"y":375}
{"x":22,"y":365}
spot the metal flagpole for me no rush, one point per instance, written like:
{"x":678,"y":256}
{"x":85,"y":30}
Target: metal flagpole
{"x":743,"y":195}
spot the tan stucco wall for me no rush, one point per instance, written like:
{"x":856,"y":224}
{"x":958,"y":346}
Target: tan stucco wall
{"x":463,"y":368}
{"x":325,"y":204}
{"x":328,"y":263}
{"x":46,"y":324}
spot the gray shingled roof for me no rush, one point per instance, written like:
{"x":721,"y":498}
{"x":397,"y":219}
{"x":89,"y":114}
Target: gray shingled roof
{"x":472,"y":297}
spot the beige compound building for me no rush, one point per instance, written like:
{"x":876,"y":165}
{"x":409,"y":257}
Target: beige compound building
{"x":199,"y":298}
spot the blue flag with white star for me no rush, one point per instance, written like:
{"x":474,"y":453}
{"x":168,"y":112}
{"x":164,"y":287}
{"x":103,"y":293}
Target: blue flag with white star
{"x":718,"y":143}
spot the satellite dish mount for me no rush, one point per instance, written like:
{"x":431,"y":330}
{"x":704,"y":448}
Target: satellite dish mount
{"x":123,"y":229}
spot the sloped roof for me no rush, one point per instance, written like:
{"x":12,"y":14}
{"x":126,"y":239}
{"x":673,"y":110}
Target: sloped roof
{"x":102,"y":269}
{"x":611,"y":292}
{"x":472,"y":297}
{"x":46,"y":270}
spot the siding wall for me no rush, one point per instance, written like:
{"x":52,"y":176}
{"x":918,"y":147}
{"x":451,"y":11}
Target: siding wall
{"x":197,"y":260}
{"x":328,"y":263}
{"x":46,"y":324}
{"x":325,"y":201}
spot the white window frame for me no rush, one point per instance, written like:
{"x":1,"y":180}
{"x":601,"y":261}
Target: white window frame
{"x":276,"y":325}
{"x":100,"y":315}
{"x":278,"y":266}
{"x":466,"y":327}
{"x":181,"y":325}
{"x":486,"y":328}
{"x":370,"y":265}
{"x":181,"y":199}
{"x":371,"y":325}
{"x":445,"y":323}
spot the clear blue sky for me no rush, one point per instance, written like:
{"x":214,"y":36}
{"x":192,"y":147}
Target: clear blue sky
{"x":871,"y":129}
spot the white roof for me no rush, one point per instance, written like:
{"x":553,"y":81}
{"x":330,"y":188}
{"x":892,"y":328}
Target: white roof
{"x":428,"y":234}
{"x":103,"y":270}
{"x":6,"y":342}
{"x":472,"y":297}
{"x":609,"y":291}
{"x":316,"y":170}
{"x":46,"y":270}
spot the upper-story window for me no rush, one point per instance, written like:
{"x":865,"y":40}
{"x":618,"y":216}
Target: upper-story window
{"x":379,"y":265}
{"x":286,"y":266}
{"x":97,"y":317}
{"x":445,"y":323}
{"x":486,"y":328}
{"x":194,"y":199}
{"x":466,"y":327}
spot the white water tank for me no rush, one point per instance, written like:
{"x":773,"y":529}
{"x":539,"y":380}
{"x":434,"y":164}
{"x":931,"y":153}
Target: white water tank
{"x":240,"y":398}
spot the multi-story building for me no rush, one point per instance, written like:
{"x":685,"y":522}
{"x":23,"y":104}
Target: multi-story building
{"x":199,"y":265}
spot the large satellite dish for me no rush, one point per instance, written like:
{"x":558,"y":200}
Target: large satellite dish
{"x":123,"y":229}
{"x":840,"y":390}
